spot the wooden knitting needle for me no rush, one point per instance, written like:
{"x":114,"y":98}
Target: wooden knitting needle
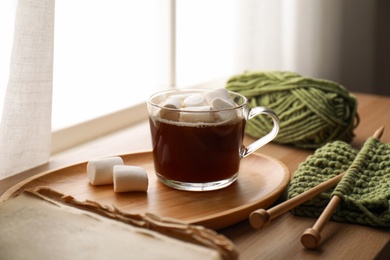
{"x":261,"y":217}
{"x":312,"y":236}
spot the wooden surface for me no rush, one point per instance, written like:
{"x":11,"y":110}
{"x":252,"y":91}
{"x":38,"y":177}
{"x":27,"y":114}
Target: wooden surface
{"x":281,"y":240}
{"x":260,"y":183}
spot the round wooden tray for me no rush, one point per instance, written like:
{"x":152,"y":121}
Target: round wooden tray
{"x":260,"y":183}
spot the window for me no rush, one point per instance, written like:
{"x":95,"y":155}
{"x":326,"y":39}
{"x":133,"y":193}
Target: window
{"x":106,"y":52}
{"x":204,"y":40}
{"x":105,"y":57}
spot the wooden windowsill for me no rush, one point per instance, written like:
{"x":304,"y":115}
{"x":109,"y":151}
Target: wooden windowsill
{"x":281,"y":240}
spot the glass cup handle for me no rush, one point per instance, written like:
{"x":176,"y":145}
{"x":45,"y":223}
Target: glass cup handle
{"x":268,"y":137}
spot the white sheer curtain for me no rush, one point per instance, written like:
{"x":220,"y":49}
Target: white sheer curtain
{"x":25,"y":130}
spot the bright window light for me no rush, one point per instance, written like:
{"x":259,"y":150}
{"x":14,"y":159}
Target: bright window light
{"x":106,"y":52}
{"x":205,"y":40}
{"x":104,"y":57}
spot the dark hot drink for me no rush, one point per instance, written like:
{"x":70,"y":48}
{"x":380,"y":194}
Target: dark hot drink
{"x":197,"y":136}
{"x":196,"y":152}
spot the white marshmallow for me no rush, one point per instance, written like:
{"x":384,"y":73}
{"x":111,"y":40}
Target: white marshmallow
{"x":130,"y":178}
{"x":225,"y":114}
{"x":100,"y":171}
{"x":221,"y":93}
{"x":221,"y":104}
{"x":173,"y":102}
{"x":194,"y":117}
{"x":198,"y":108}
{"x":169,"y":114}
{"x":195,"y":100}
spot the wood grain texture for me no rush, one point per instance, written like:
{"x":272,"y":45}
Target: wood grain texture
{"x":261,"y":181}
{"x":281,"y":240}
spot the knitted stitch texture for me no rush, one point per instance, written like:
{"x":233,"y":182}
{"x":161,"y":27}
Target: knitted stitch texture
{"x":364,"y":189}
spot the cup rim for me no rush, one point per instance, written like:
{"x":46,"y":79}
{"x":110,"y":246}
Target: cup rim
{"x":150,"y":102}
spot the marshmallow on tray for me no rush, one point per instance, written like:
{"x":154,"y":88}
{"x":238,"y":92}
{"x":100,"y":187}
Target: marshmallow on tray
{"x":130,"y":178}
{"x":100,"y":171}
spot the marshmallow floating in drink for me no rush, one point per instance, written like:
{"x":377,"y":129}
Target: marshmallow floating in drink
{"x":195,"y":100}
{"x":224,"y":105}
{"x":220,"y":93}
{"x":196,"y":117}
{"x":173,"y":102}
{"x":100,"y":171}
{"x":219,"y":99}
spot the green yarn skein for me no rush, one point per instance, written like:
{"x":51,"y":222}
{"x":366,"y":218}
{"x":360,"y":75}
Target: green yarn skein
{"x":312,"y":111}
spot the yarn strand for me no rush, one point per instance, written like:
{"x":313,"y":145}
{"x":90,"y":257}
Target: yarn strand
{"x":312,"y":111}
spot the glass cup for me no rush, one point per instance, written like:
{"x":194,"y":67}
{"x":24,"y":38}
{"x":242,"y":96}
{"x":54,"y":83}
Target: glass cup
{"x":200,"y":148}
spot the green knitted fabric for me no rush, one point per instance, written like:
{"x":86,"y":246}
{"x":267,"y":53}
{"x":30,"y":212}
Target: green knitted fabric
{"x":312,"y":111}
{"x":364,"y":189}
